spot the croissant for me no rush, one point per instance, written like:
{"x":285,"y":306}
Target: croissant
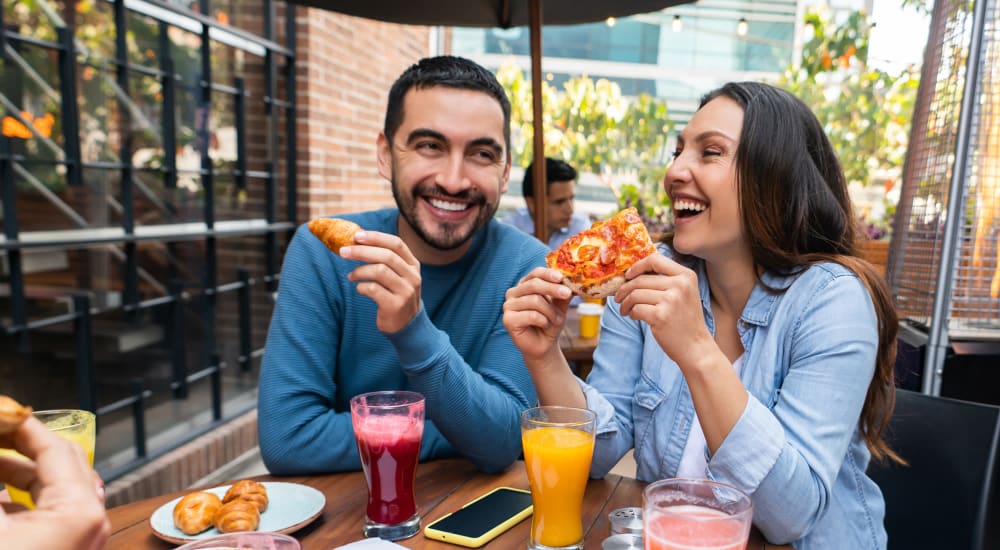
{"x":12,"y":414}
{"x":248,"y":490}
{"x":196,"y":511}
{"x":334,"y":232}
{"x":237,"y":515}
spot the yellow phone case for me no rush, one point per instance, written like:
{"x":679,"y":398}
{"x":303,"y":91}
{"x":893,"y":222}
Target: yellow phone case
{"x":431,"y":532}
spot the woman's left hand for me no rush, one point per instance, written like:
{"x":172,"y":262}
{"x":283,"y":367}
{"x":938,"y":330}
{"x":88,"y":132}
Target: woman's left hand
{"x":664,"y":294}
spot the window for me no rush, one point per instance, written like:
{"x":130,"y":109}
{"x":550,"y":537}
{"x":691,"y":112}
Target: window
{"x":145,"y":190}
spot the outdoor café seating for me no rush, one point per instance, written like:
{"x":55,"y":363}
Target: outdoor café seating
{"x":946,"y":496}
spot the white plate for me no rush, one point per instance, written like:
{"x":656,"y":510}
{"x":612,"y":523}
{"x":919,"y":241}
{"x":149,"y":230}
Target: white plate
{"x":291,"y":506}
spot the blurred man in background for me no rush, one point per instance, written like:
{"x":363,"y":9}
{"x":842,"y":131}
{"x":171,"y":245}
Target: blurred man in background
{"x":562,"y":222}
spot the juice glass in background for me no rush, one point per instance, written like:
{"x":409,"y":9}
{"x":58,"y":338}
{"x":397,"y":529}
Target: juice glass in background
{"x":389,"y":426}
{"x":75,"y":425}
{"x":558,"y":446}
{"x":590,"y":319}
{"x":693,"y":514}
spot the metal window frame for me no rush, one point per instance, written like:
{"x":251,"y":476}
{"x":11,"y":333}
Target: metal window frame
{"x":125,"y":237}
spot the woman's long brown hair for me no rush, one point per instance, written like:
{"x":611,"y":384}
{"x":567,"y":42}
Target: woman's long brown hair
{"x":796,"y":212}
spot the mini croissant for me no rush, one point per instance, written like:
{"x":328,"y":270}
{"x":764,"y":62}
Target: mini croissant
{"x":334,"y":232}
{"x":250,"y":491}
{"x":12,"y":414}
{"x":237,"y":515}
{"x":196,"y":511}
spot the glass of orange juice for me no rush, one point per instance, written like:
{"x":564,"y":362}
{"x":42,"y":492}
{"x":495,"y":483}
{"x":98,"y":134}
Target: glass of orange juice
{"x":74,"y":425}
{"x":558,"y":446}
{"x":692,"y":514}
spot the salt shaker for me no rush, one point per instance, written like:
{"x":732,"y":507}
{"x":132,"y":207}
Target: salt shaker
{"x":622,"y":541}
{"x":626,"y":530}
{"x":626,"y":521}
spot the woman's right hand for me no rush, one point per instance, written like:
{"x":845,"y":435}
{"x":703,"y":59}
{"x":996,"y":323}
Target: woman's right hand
{"x":534,"y":312}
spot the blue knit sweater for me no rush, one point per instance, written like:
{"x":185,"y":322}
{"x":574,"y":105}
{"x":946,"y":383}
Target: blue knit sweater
{"x":323,"y":348}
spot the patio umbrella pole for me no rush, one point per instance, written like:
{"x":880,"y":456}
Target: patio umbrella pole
{"x":504,"y":14}
{"x":538,"y":166}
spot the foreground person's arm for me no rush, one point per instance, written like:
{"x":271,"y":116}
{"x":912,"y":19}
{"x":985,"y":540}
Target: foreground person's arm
{"x":69,"y":512}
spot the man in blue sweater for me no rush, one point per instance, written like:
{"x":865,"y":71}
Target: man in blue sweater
{"x":417,"y":302}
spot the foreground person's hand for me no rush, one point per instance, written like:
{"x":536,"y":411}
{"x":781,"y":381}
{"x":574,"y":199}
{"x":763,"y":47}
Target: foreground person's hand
{"x":69,"y":513}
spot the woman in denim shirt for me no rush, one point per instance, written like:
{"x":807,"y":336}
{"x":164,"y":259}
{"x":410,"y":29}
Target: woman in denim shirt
{"x":756,"y":350}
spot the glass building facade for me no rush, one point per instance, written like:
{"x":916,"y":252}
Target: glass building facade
{"x":676,"y":54}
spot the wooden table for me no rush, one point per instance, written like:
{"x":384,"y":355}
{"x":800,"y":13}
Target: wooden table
{"x":443,"y":486}
{"x":575,"y":348}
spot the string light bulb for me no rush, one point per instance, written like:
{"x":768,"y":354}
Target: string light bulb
{"x":611,"y":21}
{"x":676,"y":24}
{"x":742,"y":26}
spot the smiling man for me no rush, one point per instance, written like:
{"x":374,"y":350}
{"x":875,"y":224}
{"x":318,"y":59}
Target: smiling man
{"x":417,"y":302}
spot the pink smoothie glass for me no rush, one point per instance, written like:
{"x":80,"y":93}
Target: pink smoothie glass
{"x":695,"y":514}
{"x":389,"y":426}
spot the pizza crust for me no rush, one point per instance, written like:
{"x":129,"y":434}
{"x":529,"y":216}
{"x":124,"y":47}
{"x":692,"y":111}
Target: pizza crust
{"x":605,"y":288}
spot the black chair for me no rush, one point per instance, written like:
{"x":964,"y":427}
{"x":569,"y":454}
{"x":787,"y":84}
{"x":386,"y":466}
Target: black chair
{"x":946,"y":497}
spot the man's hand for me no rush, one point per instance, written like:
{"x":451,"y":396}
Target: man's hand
{"x":390,"y":276}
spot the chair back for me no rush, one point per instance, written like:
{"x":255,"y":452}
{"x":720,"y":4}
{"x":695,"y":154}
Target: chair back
{"x":945,"y":496}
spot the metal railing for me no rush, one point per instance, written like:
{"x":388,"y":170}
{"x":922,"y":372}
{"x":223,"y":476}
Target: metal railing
{"x":176,"y":292}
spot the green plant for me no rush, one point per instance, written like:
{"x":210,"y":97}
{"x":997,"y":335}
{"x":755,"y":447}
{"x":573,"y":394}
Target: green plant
{"x":590,"y":124}
{"x":865,"y":111}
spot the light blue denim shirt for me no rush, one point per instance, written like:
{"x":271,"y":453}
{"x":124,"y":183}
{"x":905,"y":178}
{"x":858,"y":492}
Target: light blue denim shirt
{"x":797,"y":449}
{"x":522,"y":220}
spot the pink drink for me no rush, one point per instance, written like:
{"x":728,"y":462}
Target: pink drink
{"x":389,"y":426}
{"x":691,"y":527}
{"x":695,"y":514}
{"x":390,"y":448}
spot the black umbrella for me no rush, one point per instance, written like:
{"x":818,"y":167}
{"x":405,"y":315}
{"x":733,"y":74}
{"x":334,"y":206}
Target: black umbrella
{"x":503,"y":14}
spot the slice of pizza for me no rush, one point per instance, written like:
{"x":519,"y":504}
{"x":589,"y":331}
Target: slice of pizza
{"x":594,"y":261}
{"x":334,"y":232}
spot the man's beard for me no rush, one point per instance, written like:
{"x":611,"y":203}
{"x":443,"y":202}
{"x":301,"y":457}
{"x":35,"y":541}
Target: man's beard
{"x":451,"y":235}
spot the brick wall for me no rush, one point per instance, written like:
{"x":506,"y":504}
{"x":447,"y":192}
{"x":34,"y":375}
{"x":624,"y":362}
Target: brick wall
{"x":188,"y":464}
{"x":345,"y":66}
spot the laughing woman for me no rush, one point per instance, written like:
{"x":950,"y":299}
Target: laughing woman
{"x":757,"y":349}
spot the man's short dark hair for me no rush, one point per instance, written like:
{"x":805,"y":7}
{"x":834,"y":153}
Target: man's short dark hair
{"x":444,"y":70}
{"x":555,"y":171}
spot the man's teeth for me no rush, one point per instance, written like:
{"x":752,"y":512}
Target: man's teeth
{"x":450,"y":206}
{"x":689,"y":206}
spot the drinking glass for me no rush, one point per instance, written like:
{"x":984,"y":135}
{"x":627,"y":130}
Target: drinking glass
{"x":692,"y":514}
{"x":558,"y":446}
{"x":245,"y":541}
{"x":74,"y":425}
{"x":389,"y":426}
{"x":590,"y":319}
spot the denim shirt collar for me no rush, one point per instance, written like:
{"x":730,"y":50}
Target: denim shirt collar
{"x":760,"y":306}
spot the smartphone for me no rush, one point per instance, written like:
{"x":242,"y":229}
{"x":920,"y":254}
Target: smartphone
{"x":483,"y":519}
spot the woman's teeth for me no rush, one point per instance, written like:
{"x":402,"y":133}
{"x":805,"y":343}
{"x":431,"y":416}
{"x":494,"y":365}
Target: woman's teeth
{"x":688,"y":207}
